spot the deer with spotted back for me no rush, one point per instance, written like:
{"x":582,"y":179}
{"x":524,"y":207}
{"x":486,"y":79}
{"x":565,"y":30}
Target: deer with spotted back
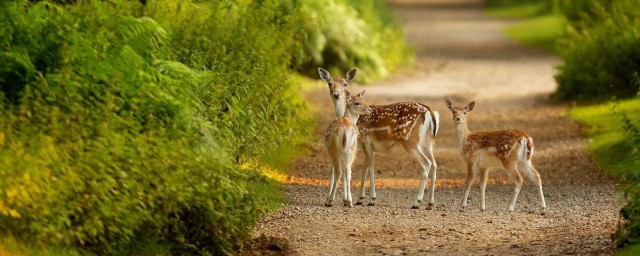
{"x":407,"y":125}
{"x":341,"y":141}
{"x":512,"y":149}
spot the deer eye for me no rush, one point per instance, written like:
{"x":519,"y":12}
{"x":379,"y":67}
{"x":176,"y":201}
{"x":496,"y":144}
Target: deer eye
{"x":357,"y":103}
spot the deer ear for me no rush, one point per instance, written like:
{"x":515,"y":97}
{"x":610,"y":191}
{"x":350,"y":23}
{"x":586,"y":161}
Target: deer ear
{"x":449,"y":105}
{"x":351,"y":75}
{"x":470,"y":106}
{"x":361,"y":94}
{"x":324,"y":75}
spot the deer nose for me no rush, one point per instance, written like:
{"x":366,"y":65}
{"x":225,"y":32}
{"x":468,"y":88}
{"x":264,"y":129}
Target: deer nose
{"x":336,"y":95}
{"x":458,"y":118}
{"x":369,"y":110}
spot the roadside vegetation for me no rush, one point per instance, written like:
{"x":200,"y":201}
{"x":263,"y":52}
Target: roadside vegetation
{"x":598,"y":43}
{"x":156,"y":127}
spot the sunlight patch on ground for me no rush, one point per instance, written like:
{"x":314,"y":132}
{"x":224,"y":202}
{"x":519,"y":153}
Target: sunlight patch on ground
{"x":401,"y":183}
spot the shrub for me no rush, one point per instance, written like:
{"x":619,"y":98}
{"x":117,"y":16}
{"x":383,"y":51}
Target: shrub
{"x":630,"y":233}
{"x":357,"y":33}
{"x":127,"y":122}
{"x":601,"y":53}
{"x":106,"y":139}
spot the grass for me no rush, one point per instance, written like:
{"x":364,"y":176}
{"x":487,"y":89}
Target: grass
{"x":541,"y":31}
{"x":517,"y":11}
{"x":538,"y":26}
{"x":630,"y":251}
{"x":606,"y":135}
{"x":609,"y":142}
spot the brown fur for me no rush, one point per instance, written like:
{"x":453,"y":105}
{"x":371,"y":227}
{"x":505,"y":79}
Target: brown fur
{"x":402,"y":121}
{"x":502,"y":141}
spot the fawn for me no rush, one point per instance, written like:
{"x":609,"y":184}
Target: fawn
{"x":411,"y":126}
{"x":341,"y":139}
{"x":512,"y":148}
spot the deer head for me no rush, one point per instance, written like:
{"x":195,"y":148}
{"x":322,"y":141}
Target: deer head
{"x":357,"y":106}
{"x":337,"y":88}
{"x":460,"y":112}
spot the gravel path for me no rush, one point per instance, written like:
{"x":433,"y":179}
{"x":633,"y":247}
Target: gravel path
{"x":462,"y":55}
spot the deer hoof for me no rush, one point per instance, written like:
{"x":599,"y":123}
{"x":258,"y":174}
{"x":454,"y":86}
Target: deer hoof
{"x":429,"y":206}
{"x":371,"y":203}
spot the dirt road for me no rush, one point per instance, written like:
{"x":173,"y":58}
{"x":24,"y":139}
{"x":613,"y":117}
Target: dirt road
{"x":462,"y":55}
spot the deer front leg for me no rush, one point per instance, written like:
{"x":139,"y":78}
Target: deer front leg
{"x":471,"y":173}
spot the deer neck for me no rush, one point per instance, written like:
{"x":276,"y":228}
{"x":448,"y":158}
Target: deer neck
{"x":340,"y":106}
{"x":463,"y":132}
{"x":353,"y":118}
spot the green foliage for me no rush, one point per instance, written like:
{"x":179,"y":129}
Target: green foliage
{"x":132,"y":127}
{"x":616,"y":143}
{"x":601,"y":54}
{"x":342,"y":34}
{"x":518,"y":11}
{"x":123,"y":123}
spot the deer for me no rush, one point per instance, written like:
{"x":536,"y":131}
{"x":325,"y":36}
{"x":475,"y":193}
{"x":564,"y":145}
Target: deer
{"x":341,"y":141}
{"x":407,"y":125}
{"x":513,"y":149}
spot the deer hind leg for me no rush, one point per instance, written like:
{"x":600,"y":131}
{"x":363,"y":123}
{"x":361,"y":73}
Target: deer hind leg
{"x":483,"y":185}
{"x":372,"y":177}
{"x":367,"y":167}
{"x":425,"y":163}
{"x":471,"y":173}
{"x":534,"y":177}
{"x":349,"y":158}
{"x":333,"y":184}
{"x":429,"y":154}
{"x":337,"y":168}
{"x":512,"y":167}
{"x":346,"y":182}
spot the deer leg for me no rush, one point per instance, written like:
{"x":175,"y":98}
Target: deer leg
{"x":471,"y":173}
{"x":332,"y":183}
{"x":483,"y":185}
{"x":366,"y":166}
{"x":429,"y":154}
{"x":372,"y":177}
{"x":426,"y":166}
{"x":538,"y":182}
{"x":338,"y":169}
{"x":346,"y":185}
{"x":517,"y":184}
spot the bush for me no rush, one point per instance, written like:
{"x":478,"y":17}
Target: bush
{"x":357,"y":33}
{"x":131,"y":122}
{"x":106,"y":139}
{"x":601,"y":53}
{"x":629,"y":234}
